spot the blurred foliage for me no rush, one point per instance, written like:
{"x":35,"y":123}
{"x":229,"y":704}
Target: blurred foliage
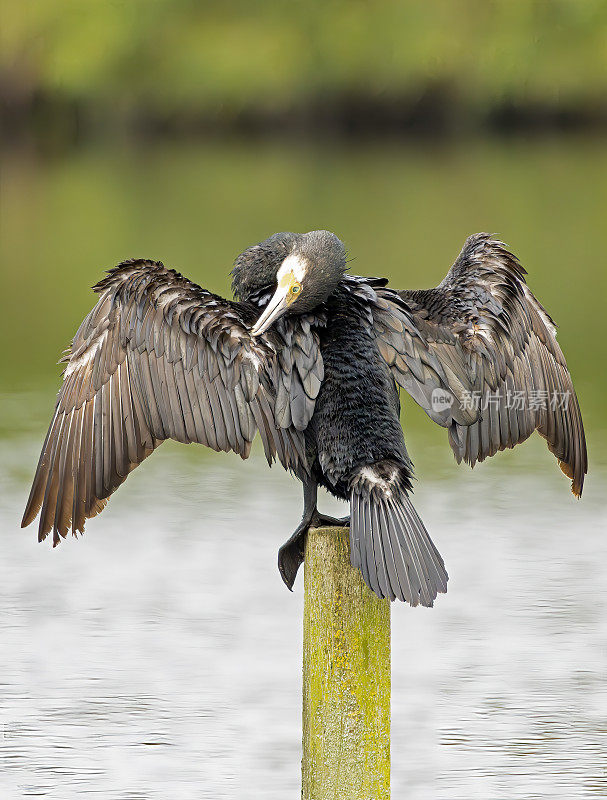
{"x":226,"y":56}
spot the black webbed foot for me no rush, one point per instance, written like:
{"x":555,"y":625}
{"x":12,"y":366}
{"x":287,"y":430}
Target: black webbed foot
{"x":291,"y":554}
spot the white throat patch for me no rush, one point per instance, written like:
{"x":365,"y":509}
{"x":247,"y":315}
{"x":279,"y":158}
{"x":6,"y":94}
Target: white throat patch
{"x":295,"y":264}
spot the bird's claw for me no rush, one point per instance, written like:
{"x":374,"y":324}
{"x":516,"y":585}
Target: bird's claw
{"x":291,"y":554}
{"x":319,"y":520}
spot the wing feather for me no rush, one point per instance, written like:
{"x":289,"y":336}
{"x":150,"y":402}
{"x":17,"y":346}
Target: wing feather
{"x":498,"y":358}
{"x":159,"y":357}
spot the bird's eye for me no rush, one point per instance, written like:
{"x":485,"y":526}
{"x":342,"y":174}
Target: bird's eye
{"x":295,"y":288}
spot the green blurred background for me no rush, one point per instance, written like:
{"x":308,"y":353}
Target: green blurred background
{"x":186,"y":131}
{"x":71,"y":68}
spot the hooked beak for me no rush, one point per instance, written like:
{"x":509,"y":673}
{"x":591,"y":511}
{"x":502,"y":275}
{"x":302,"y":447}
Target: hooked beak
{"x":275,"y":308}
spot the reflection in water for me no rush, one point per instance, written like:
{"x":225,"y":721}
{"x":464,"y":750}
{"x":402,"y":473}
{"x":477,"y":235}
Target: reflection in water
{"x":161,"y":655}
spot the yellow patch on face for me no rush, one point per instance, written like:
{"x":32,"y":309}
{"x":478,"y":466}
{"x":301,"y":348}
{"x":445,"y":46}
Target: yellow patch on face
{"x":291,"y":286}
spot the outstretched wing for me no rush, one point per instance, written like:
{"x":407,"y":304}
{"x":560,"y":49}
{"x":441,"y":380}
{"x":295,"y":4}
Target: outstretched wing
{"x":160,"y":358}
{"x":479,"y":354}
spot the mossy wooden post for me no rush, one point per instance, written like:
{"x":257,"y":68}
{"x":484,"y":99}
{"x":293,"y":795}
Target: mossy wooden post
{"x":346,"y":677}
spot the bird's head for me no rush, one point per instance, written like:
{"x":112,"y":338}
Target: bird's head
{"x":302,"y":269}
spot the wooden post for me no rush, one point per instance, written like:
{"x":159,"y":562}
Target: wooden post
{"x":346,"y":677}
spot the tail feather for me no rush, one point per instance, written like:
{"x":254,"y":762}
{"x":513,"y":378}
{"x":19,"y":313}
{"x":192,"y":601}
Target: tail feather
{"x":418,"y":570}
{"x":373,"y":559}
{"x":377,"y":523}
{"x":432,"y":564}
{"x":394,"y":562}
{"x":392,"y":549}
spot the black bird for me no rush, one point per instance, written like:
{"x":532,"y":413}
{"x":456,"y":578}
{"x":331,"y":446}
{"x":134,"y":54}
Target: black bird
{"x":312,"y":358}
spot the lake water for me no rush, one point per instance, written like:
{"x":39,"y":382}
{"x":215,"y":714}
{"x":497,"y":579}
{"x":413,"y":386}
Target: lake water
{"x":160,"y":656}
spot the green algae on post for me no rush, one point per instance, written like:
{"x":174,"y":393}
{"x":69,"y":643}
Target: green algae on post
{"x":346,"y":676}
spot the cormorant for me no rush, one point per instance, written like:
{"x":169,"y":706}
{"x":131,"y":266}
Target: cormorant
{"x":312,"y":358}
